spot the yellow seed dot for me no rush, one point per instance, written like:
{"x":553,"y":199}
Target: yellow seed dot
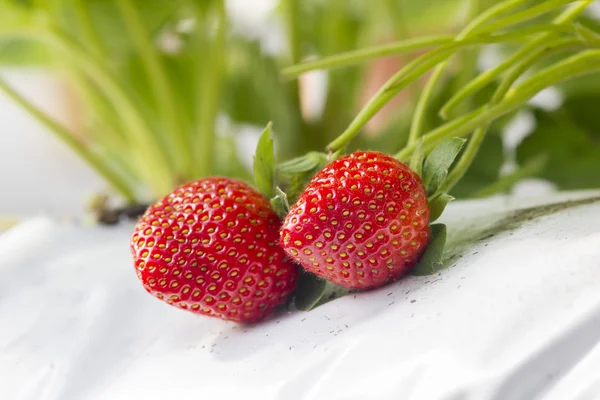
{"x":346,"y":213}
{"x":334,"y":222}
{"x":327,"y":234}
{"x":174,"y":284}
{"x":309,"y":237}
{"x":313,"y":210}
{"x":298,"y":243}
{"x":356,"y":202}
{"x":307,"y":251}
{"x":322,"y":218}
{"x":367,"y":227}
{"x":341,"y":236}
{"x":361,"y":215}
{"x":329,"y":260}
{"x":319,"y":244}
{"x":344,"y":199}
{"x":369,"y":245}
{"x":358,"y":235}
{"x":334,"y":247}
{"x":361,"y":253}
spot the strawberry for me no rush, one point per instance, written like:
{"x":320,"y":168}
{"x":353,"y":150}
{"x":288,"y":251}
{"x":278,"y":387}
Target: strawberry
{"x":210,"y":247}
{"x":361,"y":222}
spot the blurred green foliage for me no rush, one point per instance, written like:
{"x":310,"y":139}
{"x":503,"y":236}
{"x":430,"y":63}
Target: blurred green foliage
{"x":158,"y":77}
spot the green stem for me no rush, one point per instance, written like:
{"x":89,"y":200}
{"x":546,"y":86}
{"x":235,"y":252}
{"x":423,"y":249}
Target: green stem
{"x":477,"y":138}
{"x":207,"y":91}
{"x":362,"y":55}
{"x":530,"y":13}
{"x":156,"y":164}
{"x":406,"y":46}
{"x":521,"y":55}
{"x":99,"y":164}
{"x":90,"y":35}
{"x":581,"y":64}
{"x":485,"y":78}
{"x":291,"y":9}
{"x":411,"y":72}
{"x":419,"y":115}
{"x":159,"y":83}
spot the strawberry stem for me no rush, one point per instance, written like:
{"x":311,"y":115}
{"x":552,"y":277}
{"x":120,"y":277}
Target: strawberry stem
{"x":418,"y":67}
{"x":581,"y":64}
{"x":477,"y":138}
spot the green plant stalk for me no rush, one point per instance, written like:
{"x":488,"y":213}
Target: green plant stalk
{"x":159,"y":83}
{"x":99,"y":164}
{"x":207,"y":95}
{"x":156,"y":164}
{"x":291,"y":9}
{"x":589,"y":35}
{"x":147,"y":144}
{"x":582,"y":64}
{"x":485,"y":78}
{"x":488,"y":76}
{"x":419,"y":115}
{"x":533,"y":12}
{"x":90,"y":35}
{"x":362,"y":55}
{"x":404,"y":46}
{"x":477,"y":138}
{"x":409,"y":74}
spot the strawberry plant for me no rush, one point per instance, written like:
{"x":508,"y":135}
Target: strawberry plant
{"x":358,"y":198}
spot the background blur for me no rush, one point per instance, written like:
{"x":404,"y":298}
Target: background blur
{"x":164,"y":91}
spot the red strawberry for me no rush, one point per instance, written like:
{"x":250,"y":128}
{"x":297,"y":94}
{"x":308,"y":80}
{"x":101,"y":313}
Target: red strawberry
{"x":361,"y":222}
{"x":210,"y":247}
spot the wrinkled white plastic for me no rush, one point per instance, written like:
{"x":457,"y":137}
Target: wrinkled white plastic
{"x":517,"y":317}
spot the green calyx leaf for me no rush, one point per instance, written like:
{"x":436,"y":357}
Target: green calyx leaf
{"x":431,"y":261}
{"x":313,"y":291}
{"x":439,"y":161}
{"x":438,"y":204}
{"x":307,"y":162}
{"x":264,"y":163}
{"x":280,"y":203}
{"x":416,"y":161}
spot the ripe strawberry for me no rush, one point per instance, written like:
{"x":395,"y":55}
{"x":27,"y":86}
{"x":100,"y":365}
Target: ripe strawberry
{"x":210,"y":247}
{"x":361,"y":222}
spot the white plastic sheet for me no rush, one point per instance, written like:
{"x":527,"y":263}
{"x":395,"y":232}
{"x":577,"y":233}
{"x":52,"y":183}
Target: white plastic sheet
{"x":516,"y":315}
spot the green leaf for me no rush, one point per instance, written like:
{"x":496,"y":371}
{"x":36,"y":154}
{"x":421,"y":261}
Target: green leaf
{"x":280,"y":203}
{"x":437,"y":205}
{"x":437,"y":164}
{"x":416,"y":161}
{"x":431,"y":261}
{"x":264,"y":163}
{"x":313,"y":291}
